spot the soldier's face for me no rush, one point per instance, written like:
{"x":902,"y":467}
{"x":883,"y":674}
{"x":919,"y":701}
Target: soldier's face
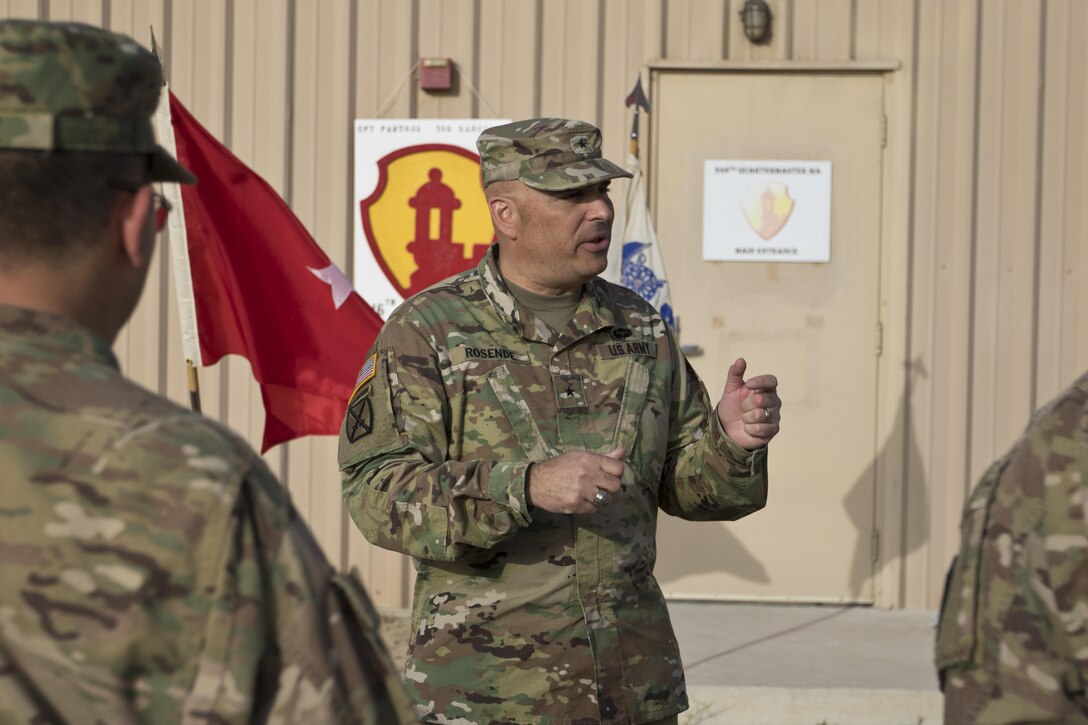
{"x":562,"y":237}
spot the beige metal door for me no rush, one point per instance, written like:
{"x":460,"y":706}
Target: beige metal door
{"x":814,"y":325}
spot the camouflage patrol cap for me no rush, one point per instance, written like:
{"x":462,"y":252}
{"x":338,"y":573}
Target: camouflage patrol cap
{"x":74,"y":87}
{"x":550,"y":154}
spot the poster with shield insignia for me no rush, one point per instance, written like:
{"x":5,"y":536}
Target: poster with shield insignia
{"x":767,"y":211}
{"x":420,"y":213}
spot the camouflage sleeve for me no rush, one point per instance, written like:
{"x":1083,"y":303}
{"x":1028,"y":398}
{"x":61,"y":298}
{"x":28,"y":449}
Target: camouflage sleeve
{"x":1012,"y":645}
{"x":288,"y":639}
{"x":399,"y":484}
{"x":707,"y":477}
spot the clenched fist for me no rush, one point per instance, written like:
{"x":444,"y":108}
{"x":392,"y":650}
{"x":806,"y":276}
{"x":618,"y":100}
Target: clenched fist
{"x":568,"y":483}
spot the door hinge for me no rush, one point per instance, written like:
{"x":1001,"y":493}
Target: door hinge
{"x":879,"y":339}
{"x":883,"y":130}
{"x":874,"y":546}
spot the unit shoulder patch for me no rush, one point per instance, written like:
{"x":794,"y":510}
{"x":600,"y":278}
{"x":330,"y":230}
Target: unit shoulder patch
{"x":360,"y":420}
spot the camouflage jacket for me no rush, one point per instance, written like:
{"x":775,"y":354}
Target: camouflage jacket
{"x":151,"y":567}
{"x":1013,"y":639}
{"x":526,"y":616}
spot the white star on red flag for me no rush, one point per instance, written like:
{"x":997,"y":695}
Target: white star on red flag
{"x":333,"y":277}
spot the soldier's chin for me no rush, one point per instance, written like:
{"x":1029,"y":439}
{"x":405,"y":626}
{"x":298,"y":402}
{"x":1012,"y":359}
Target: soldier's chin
{"x":597,"y":265}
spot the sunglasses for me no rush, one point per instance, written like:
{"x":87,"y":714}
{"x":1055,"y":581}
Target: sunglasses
{"x":160,"y":206}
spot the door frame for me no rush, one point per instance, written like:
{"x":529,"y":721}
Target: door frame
{"x":892,"y":563}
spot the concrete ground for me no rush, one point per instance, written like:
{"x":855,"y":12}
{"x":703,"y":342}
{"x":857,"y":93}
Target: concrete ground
{"x":761,"y":664}
{"x":756,"y":664}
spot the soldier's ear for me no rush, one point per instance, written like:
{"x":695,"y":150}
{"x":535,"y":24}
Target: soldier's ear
{"x":129,"y":222}
{"x":504,"y":214}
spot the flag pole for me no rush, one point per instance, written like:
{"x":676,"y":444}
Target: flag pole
{"x":179,"y":248}
{"x":641,"y":252}
{"x":194,"y":386}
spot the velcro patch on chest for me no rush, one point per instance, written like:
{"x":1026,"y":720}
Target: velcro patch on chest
{"x":465,"y":353}
{"x":570,"y":392}
{"x":619,"y":348}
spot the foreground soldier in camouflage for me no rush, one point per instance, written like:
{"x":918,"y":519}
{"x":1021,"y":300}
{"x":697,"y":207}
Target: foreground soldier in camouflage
{"x":516,"y":429}
{"x":151,"y":568}
{"x":1013,"y":639}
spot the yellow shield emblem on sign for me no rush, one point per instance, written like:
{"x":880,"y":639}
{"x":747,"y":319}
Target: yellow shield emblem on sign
{"x":427,"y":218}
{"x":767,"y":208}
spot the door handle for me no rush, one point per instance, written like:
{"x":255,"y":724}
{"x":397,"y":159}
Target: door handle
{"x":691,"y":350}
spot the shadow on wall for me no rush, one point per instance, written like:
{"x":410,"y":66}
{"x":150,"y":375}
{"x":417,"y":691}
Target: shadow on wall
{"x":730,"y":556}
{"x":913,"y":505}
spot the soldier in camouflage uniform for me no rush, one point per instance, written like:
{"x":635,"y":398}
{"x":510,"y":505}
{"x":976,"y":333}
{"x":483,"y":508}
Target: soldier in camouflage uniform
{"x":1012,"y":646}
{"x":516,"y":429}
{"x":151,"y":567}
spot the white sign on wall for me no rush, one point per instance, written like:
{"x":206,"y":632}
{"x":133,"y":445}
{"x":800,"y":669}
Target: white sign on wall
{"x":767,"y":211}
{"x":420,"y":212}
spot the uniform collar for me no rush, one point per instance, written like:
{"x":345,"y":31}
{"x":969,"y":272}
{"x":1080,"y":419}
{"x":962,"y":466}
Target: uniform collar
{"x":593,"y":313}
{"x":50,"y":331}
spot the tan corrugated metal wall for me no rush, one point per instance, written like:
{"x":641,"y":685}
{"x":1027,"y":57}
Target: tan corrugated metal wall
{"x":985,"y":223}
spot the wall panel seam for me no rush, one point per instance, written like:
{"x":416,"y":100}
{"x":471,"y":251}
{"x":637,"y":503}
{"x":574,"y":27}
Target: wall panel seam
{"x":601,"y":19}
{"x":972,"y":285}
{"x":853,"y":29}
{"x":476,"y":43}
{"x":725,"y":32}
{"x":912,"y":211}
{"x":346,"y":525}
{"x":289,"y":130}
{"x":538,"y":63}
{"x":228,"y":72}
{"x":352,"y":81}
{"x":289,"y":167}
{"x":1040,"y":134}
{"x":413,"y":56}
{"x":1066,"y":170}
{"x":167,"y":36}
{"x":790,"y":28}
{"x":664,"y":40}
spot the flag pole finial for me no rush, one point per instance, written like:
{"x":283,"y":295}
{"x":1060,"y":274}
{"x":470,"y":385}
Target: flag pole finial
{"x":636,"y":98}
{"x":155,"y":52}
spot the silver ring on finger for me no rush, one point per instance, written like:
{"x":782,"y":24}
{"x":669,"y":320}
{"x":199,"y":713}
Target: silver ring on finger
{"x":766,"y":414}
{"x":603,"y":498}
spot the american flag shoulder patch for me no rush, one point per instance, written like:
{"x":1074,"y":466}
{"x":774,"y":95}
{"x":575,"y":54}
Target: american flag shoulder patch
{"x":366,"y":373}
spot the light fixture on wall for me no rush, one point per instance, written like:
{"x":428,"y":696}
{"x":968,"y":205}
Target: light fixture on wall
{"x":755,"y":16}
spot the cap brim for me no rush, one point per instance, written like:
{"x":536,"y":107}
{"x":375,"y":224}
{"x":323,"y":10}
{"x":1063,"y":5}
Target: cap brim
{"x":575,"y":176}
{"x":165,"y":167}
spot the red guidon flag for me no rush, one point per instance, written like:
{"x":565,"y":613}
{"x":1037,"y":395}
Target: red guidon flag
{"x":253,"y":282}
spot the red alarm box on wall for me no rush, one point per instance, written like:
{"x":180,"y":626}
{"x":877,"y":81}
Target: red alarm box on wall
{"x":435,"y":74}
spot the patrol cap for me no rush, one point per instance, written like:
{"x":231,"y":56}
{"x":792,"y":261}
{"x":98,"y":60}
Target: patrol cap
{"x":74,"y":87}
{"x":550,"y":154}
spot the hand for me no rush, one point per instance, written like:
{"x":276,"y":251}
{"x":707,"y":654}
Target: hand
{"x":750,"y":410}
{"x":567,"y":484}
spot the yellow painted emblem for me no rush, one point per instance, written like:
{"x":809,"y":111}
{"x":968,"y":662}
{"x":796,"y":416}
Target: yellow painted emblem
{"x":428,"y":218}
{"x":767,"y":207}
